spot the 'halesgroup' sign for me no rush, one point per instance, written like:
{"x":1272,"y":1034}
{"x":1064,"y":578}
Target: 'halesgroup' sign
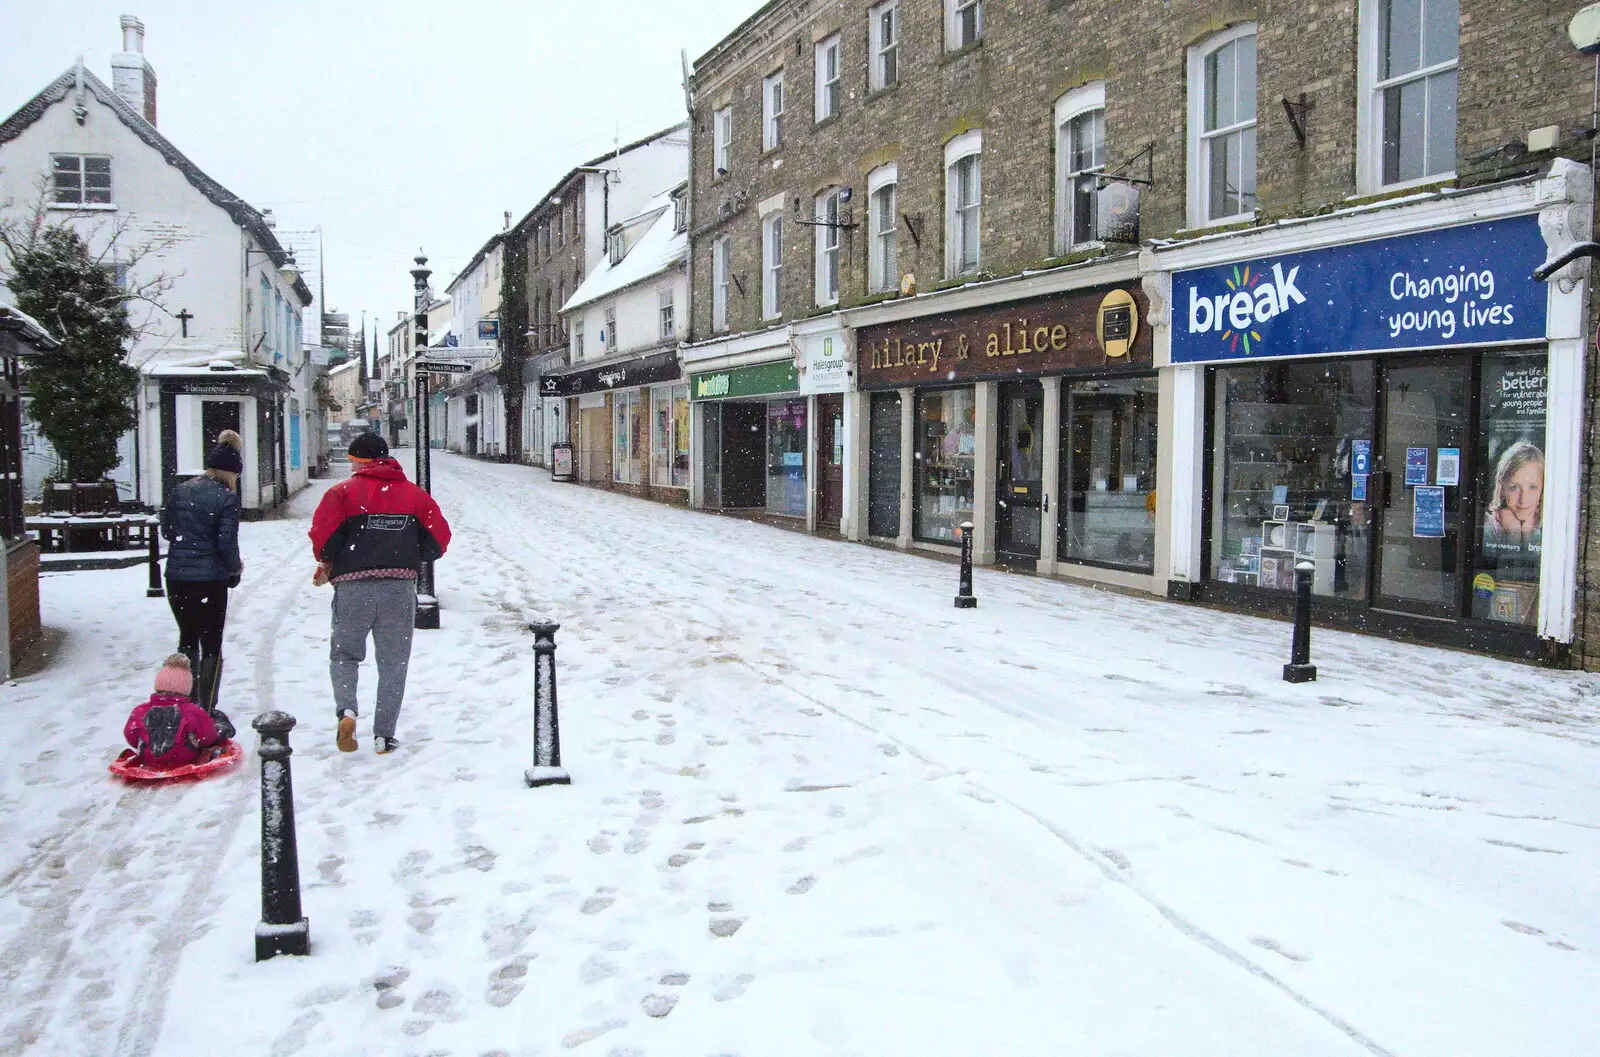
{"x":1469,"y":285}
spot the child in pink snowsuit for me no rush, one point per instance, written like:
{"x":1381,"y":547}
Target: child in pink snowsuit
{"x":170,"y":730}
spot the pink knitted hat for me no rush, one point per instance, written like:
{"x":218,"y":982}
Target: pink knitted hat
{"x":175,"y":676}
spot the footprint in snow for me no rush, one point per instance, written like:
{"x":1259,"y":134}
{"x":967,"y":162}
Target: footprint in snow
{"x":658,"y":1006}
{"x":294,"y":1040}
{"x":595,"y":904}
{"x":729,"y":988}
{"x":599,"y":844}
{"x":412,"y":864}
{"x":802,"y":886}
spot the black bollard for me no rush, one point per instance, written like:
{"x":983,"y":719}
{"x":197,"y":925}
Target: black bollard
{"x":283,"y":928}
{"x":546,"y":769}
{"x":1300,"y":669}
{"x":155,"y":590}
{"x":965,"y":599}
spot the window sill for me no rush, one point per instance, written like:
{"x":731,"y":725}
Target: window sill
{"x":961,"y":52}
{"x":84,"y":207}
{"x":1425,"y":183}
{"x":831,"y":119}
{"x":1217,"y":224}
{"x":874,"y":94}
{"x":768,"y":152}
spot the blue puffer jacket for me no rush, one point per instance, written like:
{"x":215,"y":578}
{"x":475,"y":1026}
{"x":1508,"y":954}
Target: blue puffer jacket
{"x":201,"y":524}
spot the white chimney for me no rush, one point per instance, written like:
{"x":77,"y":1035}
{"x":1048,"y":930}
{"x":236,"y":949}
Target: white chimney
{"x":131,"y":76}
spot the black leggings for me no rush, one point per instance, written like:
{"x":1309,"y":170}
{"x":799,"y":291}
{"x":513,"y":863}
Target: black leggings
{"x":201,"y":609}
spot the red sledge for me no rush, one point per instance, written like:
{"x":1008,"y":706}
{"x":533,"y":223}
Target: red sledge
{"x":127,"y":766}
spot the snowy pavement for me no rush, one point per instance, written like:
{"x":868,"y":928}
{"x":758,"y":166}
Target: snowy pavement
{"x":816,"y":810}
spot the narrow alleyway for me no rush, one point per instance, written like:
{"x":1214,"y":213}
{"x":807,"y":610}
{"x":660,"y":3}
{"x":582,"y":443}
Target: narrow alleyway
{"x":815,"y":810}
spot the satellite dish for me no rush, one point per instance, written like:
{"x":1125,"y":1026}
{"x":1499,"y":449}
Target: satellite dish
{"x":1584,"y":29}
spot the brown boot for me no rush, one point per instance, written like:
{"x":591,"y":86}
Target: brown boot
{"x":346,"y":739}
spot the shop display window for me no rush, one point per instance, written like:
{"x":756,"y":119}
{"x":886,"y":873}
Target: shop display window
{"x":669,"y":437}
{"x":1284,"y":436}
{"x":946,"y":441}
{"x":1108,"y":473}
{"x":1510,"y":479}
{"x":786,"y":457}
{"x":627,"y":437}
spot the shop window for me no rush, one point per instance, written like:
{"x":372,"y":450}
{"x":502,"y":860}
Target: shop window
{"x":81,"y":179}
{"x":1108,"y":473}
{"x":1510,"y":458}
{"x":963,"y":23}
{"x":1285,"y":438}
{"x":786,"y":457}
{"x":828,"y":88}
{"x":772,"y":111}
{"x":884,"y":27}
{"x":1407,"y":117}
{"x":721,"y":277}
{"x":669,"y":441}
{"x":627,"y":437}
{"x":946,"y":442}
{"x":772,"y":266}
{"x":722,"y":140}
{"x":1222,"y":127}
{"x":827,"y":239}
{"x":1080,"y":154}
{"x":963,"y":203}
{"x":883,"y":217}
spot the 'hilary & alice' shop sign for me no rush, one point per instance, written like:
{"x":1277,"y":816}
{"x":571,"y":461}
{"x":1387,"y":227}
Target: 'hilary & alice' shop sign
{"x":1467,"y":285}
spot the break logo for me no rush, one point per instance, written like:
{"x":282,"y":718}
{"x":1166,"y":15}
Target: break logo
{"x":1251,"y":299}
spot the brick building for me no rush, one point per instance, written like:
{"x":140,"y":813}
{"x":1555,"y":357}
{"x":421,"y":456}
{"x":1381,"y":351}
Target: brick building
{"x":1038,"y":189}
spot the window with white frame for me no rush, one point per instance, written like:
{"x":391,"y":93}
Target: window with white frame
{"x":827,"y":82}
{"x":611,"y":328}
{"x":771,"y":266}
{"x":1222,"y":126}
{"x":576,"y":353}
{"x":963,"y":23}
{"x":963,"y":193}
{"x":81,"y":179}
{"x":1408,"y":116}
{"x":721,"y":279}
{"x":827,"y":243}
{"x":614,"y":247}
{"x":722,"y":140}
{"x":1080,"y":153}
{"x":883,"y":29}
{"x":668,"y":312}
{"x":772,"y":111}
{"x":883,"y":219}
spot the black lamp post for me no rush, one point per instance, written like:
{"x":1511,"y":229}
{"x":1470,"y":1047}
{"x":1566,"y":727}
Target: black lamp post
{"x":427,"y":601}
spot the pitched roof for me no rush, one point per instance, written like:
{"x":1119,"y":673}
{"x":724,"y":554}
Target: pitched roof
{"x":477,"y":258}
{"x":591,"y":164}
{"x":243,"y":214}
{"x":659,"y":248}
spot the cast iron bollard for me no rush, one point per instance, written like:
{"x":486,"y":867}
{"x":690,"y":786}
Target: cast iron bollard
{"x":283,"y":928}
{"x":966,"y":599}
{"x":155,"y":590}
{"x":546,"y":769}
{"x":1300,"y":669}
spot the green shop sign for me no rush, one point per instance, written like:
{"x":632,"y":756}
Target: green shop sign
{"x":760,"y":379}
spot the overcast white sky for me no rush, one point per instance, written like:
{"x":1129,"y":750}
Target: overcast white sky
{"x":393,"y":124}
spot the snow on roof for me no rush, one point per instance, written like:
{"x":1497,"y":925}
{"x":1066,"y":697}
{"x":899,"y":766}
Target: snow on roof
{"x":33,"y":332}
{"x":658,"y":249}
{"x":348,"y":365}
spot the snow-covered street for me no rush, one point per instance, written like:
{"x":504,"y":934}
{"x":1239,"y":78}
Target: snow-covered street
{"x":815,"y":810}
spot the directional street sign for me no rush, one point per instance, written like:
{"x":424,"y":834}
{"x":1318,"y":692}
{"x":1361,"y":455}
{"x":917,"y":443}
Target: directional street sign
{"x":443,"y":367}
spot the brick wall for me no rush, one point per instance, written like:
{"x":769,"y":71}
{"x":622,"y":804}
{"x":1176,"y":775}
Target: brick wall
{"x":1517,"y":72}
{"x":22,"y":586}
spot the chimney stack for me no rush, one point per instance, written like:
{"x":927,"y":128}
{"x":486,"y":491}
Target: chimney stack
{"x":131,"y":76}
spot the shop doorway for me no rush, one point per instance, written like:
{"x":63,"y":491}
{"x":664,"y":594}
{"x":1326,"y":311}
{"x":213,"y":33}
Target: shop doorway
{"x":1424,"y":410}
{"x":744,"y":455}
{"x":883,"y":466}
{"x":594,"y":444}
{"x":830,"y":462}
{"x":1019,"y":477}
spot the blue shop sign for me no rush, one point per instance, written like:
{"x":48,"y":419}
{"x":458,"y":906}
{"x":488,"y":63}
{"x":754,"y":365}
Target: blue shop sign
{"x":1468,"y":285}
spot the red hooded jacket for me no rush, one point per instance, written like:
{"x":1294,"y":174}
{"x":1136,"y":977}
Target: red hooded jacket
{"x":378,"y":520}
{"x":169,"y":731}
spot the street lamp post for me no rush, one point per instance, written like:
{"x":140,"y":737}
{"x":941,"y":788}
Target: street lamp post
{"x":427,"y":601}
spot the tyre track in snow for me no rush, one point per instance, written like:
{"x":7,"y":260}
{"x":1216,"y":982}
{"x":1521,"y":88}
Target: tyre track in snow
{"x":75,"y":913}
{"x":953,"y":676}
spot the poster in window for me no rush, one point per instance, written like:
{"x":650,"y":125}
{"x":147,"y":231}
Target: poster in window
{"x":1511,"y":486}
{"x":1427,"y":512}
{"x":1447,"y":470}
{"x":1416,"y":466}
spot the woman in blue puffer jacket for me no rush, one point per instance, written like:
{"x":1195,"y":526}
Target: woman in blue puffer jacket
{"x":201,"y":524}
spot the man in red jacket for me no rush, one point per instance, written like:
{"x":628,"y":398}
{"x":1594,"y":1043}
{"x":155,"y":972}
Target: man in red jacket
{"x":370,"y":535}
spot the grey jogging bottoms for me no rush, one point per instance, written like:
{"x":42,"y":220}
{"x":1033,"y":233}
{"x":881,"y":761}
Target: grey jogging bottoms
{"x":386,"y":609}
